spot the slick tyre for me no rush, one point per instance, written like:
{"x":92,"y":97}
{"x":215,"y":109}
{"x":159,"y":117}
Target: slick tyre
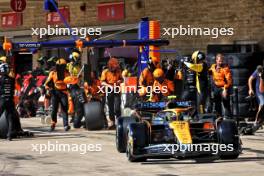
{"x":242,"y":94}
{"x":242,"y":72}
{"x":240,"y":76}
{"x":94,"y":118}
{"x":238,"y":60}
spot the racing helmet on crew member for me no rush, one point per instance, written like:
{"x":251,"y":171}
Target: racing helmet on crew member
{"x":198,"y":56}
{"x":3,"y":59}
{"x":158,"y":75}
{"x":153,"y":63}
{"x":60,"y":68}
{"x":4,"y":69}
{"x":75,"y":55}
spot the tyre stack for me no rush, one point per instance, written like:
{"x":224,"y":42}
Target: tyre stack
{"x":242,"y":67}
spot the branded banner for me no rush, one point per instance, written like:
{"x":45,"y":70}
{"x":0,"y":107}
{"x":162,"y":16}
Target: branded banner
{"x":111,"y":11}
{"x":54,"y":17}
{"x":11,"y":19}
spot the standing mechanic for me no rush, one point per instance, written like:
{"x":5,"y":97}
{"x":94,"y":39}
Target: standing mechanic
{"x":58,"y":90}
{"x":258,"y":75}
{"x":222,"y":83}
{"x":7,"y":89}
{"x":111,"y":78}
{"x":200,"y":69}
{"x":74,"y":66}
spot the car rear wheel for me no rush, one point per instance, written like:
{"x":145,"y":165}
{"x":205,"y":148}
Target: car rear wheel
{"x":121,"y":132}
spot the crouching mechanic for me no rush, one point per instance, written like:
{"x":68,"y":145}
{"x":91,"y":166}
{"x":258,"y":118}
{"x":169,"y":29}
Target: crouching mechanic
{"x":58,"y":91}
{"x":222,"y":83}
{"x":112,"y":78}
{"x":7,"y":88}
{"x":146,"y":78}
{"x":258,"y":75}
{"x":162,"y":87}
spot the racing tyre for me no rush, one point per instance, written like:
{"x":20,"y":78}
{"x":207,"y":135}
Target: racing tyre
{"x":242,"y":94}
{"x":238,"y":60}
{"x":240,"y":72}
{"x":137,"y":138}
{"x":210,"y":59}
{"x":121,"y":132}
{"x":245,"y":110}
{"x":3,"y":126}
{"x":227,"y":133}
{"x":240,"y":81}
{"x":94,"y":118}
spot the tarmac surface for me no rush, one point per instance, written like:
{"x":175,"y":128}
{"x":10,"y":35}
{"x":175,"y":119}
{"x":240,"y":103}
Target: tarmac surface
{"x":94,"y":153}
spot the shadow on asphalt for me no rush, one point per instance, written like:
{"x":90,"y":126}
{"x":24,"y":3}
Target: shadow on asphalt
{"x":254,"y":150}
{"x":10,"y":174}
{"x":202,"y":161}
{"x":13,"y":158}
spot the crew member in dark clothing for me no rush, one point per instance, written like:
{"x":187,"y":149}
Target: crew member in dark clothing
{"x":7,"y":89}
{"x":196,"y":78}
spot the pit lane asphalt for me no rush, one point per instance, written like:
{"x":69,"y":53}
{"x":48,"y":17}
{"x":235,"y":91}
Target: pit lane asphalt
{"x":18,"y":158}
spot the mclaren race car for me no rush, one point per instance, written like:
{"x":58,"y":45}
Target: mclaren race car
{"x":171,"y":130}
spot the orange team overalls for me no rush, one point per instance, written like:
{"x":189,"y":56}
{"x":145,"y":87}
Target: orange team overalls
{"x":145,"y":79}
{"x":110,"y":77}
{"x":18,"y":87}
{"x":59,"y":95}
{"x":222,"y":79}
{"x":93,"y":89}
{"x":167,"y":86}
{"x":113,"y":99}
